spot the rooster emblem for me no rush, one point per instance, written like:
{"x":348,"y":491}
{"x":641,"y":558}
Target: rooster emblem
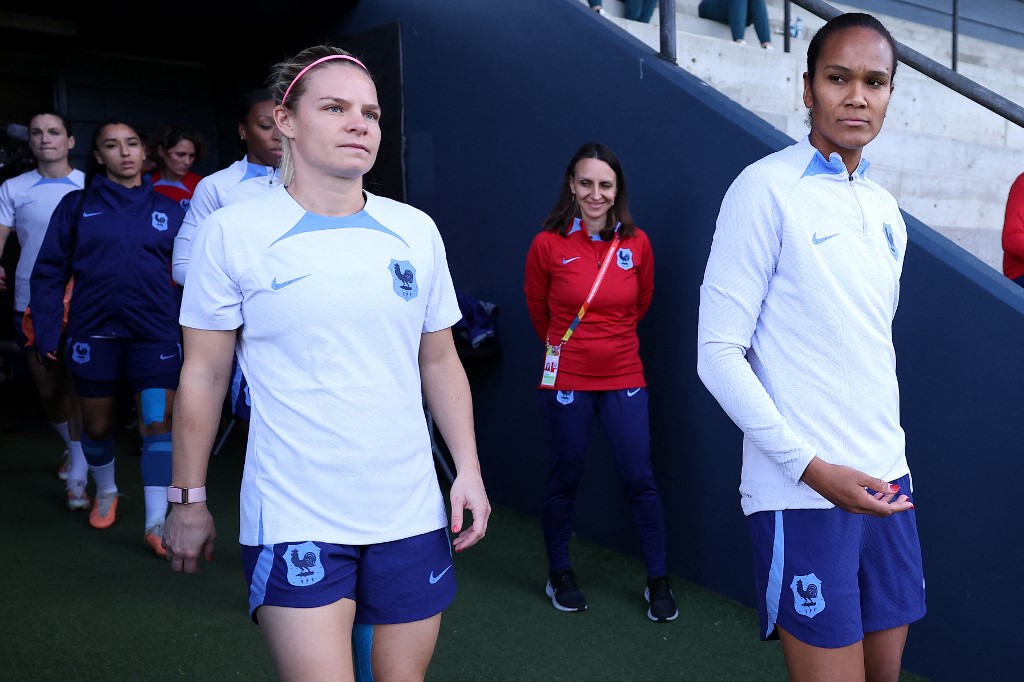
{"x":808,"y":599}
{"x":887,"y":229}
{"x":303,"y":562}
{"x":403,"y":277}
{"x":160,"y":221}
{"x":625,"y":259}
{"x":808,"y":594}
{"x":81,"y":352}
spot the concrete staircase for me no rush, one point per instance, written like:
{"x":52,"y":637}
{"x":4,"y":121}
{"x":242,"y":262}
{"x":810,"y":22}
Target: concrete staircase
{"x":947,"y":160}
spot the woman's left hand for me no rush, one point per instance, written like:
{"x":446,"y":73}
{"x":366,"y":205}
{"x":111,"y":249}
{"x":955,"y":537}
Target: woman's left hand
{"x":468,"y":494}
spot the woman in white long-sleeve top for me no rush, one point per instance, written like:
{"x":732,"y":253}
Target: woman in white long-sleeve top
{"x":795,"y":342}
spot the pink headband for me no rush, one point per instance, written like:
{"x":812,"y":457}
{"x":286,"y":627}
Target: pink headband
{"x":320,"y":61}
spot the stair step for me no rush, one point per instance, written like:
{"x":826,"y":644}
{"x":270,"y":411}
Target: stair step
{"x":948,"y":160}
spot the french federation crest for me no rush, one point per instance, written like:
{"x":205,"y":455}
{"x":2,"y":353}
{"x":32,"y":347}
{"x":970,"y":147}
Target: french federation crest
{"x":888,"y":236}
{"x":808,"y":598}
{"x":160,"y":221}
{"x":403,"y":278}
{"x":81,"y":352}
{"x":625,"y":259}
{"x":303,"y":562}
{"x":565,"y":397}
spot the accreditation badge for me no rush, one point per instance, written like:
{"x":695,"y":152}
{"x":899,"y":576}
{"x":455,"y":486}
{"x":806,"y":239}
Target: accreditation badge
{"x":547,"y":379}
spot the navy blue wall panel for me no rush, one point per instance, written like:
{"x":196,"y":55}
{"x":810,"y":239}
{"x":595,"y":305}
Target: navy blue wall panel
{"x":497,"y":97}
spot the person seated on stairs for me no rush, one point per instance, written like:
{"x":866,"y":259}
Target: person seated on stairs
{"x":739,"y":14}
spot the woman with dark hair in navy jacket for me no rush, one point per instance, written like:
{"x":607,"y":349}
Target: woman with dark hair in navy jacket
{"x":115,"y":238}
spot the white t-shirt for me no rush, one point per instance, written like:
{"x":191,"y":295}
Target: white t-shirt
{"x":795,"y":324}
{"x":26,"y":203}
{"x":241,"y":180}
{"x":331,"y":312}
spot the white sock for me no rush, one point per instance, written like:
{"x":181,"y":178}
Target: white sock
{"x":156,"y":505}
{"x":62,"y":431}
{"x":104,"y":477}
{"x":79,"y":470}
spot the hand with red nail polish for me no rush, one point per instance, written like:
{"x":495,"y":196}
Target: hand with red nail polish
{"x":853,"y":490}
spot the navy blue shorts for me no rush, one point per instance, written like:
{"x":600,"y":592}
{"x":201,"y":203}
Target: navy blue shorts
{"x":827,"y":576}
{"x":98,"y":363}
{"x":402,"y":581}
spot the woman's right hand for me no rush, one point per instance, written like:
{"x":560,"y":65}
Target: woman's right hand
{"x":851,"y":490}
{"x":189,"y":529}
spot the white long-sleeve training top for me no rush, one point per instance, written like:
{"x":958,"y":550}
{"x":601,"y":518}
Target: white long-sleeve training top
{"x":795,"y":324}
{"x":241,"y":180}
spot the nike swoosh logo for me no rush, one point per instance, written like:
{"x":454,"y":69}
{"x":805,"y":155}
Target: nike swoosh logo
{"x":817,"y":240}
{"x":275,"y":285}
{"x":566,"y":261}
{"x":90,"y":214}
{"x":632,"y":392}
{"x":434,"y":579}
{"x":168,"y":357}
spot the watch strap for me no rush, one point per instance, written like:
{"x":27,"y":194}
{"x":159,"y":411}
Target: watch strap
{"x":186,"y":495}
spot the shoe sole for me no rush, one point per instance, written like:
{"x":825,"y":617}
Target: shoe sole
{"x":550,"y":591}
{"x":78,"y":506}
{"x":662,"y":620}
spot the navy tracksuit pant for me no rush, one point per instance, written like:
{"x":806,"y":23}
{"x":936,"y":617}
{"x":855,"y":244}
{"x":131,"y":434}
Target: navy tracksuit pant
{"x":569,"y":418}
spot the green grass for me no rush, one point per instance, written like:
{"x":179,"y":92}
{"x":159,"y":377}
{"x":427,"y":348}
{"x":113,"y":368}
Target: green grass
{"x":82,"y":604}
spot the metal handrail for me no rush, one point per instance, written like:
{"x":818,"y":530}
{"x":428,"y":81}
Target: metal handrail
{"x":667,"y":20}
{"x":929,"y":67}
{"x":955,"y":30}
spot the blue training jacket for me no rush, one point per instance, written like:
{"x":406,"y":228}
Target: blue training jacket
{"x":117,"y":244}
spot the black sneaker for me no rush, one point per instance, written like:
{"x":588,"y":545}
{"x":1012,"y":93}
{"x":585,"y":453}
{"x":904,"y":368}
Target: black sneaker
{"x":663,"y":605}
{"x":565,"y":593}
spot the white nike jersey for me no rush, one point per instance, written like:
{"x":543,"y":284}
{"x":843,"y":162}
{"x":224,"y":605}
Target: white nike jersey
{"x":26,"y":203}
{"x":241,"y":180}
{"x":331,"y":312}
{"x":795,"y":323}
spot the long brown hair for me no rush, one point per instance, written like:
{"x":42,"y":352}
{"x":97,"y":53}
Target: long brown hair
{"x":561,"y":216}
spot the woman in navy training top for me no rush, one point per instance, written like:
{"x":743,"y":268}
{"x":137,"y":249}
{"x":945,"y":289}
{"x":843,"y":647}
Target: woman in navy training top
{"x":116,"y":240}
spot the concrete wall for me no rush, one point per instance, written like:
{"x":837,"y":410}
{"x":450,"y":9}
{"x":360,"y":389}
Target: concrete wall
{"x":498,"y":95}
{"x":947,"y":159}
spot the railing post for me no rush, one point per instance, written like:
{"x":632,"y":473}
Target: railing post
{"x":667,"y":21}
{"x":956,"y":31}
{"x":786,"y":23}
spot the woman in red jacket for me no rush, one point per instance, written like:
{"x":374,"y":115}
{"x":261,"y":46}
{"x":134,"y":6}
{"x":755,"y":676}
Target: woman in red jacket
{"x":1013,"y":233}
{"x":589,"y":280}
{"x":173,"y":150}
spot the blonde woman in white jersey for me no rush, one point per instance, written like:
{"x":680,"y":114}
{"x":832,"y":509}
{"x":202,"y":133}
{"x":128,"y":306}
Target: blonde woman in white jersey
{"x":344,"y":303}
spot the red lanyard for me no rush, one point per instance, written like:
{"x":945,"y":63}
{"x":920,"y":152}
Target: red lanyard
{"x":593,"y":290}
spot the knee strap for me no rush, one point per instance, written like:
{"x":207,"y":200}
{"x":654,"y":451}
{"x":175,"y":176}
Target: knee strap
{"x":154,"y":403}
{"x":98,"y":453}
